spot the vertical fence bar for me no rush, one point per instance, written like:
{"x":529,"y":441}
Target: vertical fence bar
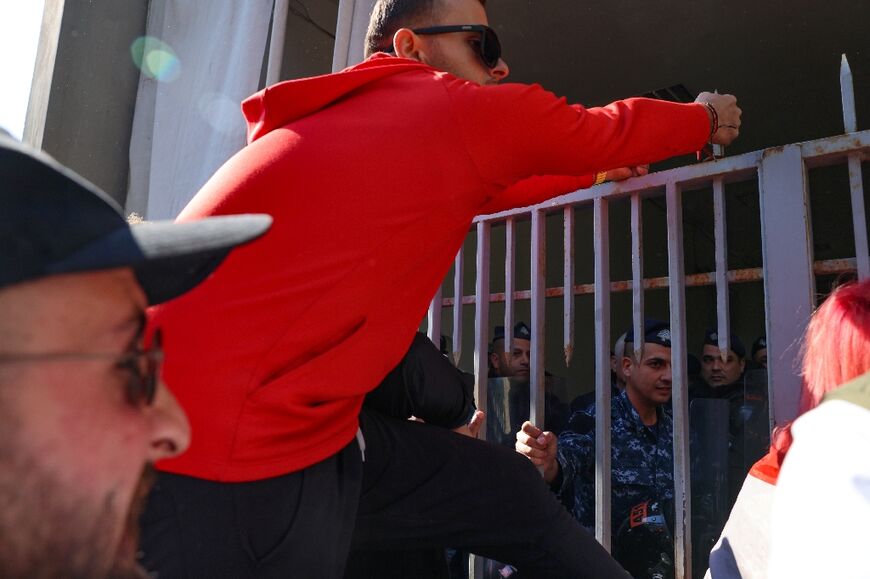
{"x":433,"y":318}
{"x":789,"y":281}
{"x":510,"y":259}
{"x":568,"y":285}
{"x":680,"y":399}
{"x":481,"y":331}
{"x":458,"y":289}
{"x":723,"y":312}
{"x":538,"y":285}
{"x":859,"y":217}
{"x":637,"y":272}
{"x":601,"y":232}
{"x":856,"y":184}
{"x":481,"y":317}
{"x":847,"y":94}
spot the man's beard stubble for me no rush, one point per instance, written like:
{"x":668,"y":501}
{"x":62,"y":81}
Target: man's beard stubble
{"x":126,"y":565}
{"x":48,"y":530}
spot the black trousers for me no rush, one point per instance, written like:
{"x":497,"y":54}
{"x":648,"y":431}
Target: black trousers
{"x":420,"y":487}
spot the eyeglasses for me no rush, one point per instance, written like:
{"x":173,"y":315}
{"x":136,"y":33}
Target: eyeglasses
{"x":489,"y":47}
{"x":143,"y":366}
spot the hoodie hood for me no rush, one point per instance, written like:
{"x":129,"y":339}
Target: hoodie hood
{"x":285,"y":102}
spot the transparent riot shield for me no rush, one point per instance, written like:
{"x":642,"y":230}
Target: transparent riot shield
{"x":751,"y":425}
{"x":709,"y":460}
{"x":509,"y":405}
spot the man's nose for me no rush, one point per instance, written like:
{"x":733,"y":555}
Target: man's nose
{"x":170,"y":430}
{"x":500,"y":71}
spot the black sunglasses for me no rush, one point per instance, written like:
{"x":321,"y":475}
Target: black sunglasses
{"x":143,"y":366}
{"x":489,"y":48}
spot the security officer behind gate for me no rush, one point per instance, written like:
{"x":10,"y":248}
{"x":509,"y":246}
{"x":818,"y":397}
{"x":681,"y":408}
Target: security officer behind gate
{"x":726,"y":378}
{"x":509,"y":399}
{"x":641,"y":458}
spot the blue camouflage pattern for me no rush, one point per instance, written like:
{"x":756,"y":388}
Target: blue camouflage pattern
{"x":642,"y":462}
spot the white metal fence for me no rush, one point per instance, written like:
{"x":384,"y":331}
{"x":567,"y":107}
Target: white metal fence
{"x":788,"y":273}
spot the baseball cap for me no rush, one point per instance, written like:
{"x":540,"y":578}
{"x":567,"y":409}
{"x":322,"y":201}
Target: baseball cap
{"x":52,"y":221}
{"x":654,"y":332}
{"x":759,"y":344}
{"x":521,"y":332}
{"x":711,"y":338}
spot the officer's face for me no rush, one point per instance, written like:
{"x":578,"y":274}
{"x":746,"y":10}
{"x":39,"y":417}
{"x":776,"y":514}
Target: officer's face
{"x":761,"y":357}
{"x":717,"y":373}
{"x":650,"y":379}
{"x":514,"y":363}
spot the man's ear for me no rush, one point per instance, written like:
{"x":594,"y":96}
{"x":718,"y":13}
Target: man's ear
{"x":406,"y":44}
{"x":626,"y":366}
{"x":493,"y":361}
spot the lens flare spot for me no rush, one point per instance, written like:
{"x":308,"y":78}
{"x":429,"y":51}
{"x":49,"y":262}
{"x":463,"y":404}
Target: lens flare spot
{"x":222,"y":113}
{"x":155,"y":58}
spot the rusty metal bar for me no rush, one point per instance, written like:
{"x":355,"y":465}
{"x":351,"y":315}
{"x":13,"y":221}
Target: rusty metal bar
{"x":637,"y":273}
{"x":568,"y":285}
{"x":859,"y":216}
{"x":481,"y":318}
{"x":433,"y":318}
{"x":789,"y":283}
{"x":601,"y":234}
{"x":680,"y":393}
{"x":752,"y":274}
{"x":833,"y":149}
{"x":458,"y":286}
{"x":723,"y":313}
{"x":510,"y":248}
{"x":538,"y":285}
{"x":856,"y":180}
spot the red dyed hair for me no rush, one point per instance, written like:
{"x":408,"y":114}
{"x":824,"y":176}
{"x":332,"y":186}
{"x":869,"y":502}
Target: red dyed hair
{"x":836,"y":349}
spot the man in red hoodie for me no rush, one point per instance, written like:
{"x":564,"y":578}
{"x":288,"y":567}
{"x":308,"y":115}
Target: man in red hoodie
{"x":373,"y":176}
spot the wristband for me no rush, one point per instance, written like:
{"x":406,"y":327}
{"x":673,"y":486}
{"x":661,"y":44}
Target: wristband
{"x":599,"y":178}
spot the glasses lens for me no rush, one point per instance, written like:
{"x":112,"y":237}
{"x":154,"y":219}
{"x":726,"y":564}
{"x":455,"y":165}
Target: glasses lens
{"x":490,"y":48}
{"x":155,"y":354}
{"x":144,"y":369}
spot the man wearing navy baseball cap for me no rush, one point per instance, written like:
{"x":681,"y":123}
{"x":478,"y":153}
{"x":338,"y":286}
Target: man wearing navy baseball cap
{"x":725,"y":378}
{"x":717,"y":370}
{"x":83,"y":412}
{"x":641,"y":452}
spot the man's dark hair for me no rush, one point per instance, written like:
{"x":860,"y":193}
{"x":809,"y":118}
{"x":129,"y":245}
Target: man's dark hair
{"x":388,"y":16}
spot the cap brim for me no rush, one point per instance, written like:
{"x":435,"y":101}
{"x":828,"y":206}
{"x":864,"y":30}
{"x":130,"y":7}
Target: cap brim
{"x":169,"y":258}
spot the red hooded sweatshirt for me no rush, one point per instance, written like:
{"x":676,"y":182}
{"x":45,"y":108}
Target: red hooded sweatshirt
{"x":373,"y":176}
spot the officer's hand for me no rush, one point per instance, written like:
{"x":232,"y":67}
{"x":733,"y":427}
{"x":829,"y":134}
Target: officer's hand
{"x":472,"y":429}
{"x":539,"y":447}
{"x":729,"y":115}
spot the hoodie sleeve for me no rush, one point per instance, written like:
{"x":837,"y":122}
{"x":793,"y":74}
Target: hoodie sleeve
{"x":534,"y":190}
{"x":515,"y":131}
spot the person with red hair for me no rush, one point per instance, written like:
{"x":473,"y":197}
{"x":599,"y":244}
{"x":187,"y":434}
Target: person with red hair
{"x":836,"y":349}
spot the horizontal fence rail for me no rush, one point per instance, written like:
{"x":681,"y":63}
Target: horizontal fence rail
{"x":748,"y":275}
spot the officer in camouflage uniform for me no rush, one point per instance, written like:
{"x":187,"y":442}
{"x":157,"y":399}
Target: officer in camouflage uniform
{"x":641,"y":449}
